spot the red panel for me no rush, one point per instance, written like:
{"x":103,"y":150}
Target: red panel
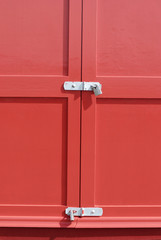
{"x":40,"y":48}
{"x":133,"y":46}
{"x":33,"y":31}
{"x":128,"y":152}
{"x":33,"y":151}
{"x":121,"y":128}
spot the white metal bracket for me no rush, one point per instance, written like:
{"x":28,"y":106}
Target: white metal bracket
{"x":83,"y":212}
{"x":84,"y":86}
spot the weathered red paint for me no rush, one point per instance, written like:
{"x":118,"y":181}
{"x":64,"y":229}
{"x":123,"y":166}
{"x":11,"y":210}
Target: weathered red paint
{"x":60,"y":148}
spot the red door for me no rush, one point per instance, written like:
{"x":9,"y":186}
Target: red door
{"x":121,"y":129}
{"x":40,"y":48}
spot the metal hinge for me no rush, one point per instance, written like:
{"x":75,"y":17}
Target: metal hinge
{"x":83,"y":212}
{"x":84,"y":86}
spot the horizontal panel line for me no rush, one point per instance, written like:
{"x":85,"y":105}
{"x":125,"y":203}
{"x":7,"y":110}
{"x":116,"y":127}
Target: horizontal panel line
{"x":60,"y":76}
{"x":127,"y":206}
{"x":99,"y":76}
{"x":86,"y":222}
{"x":30,"y":205}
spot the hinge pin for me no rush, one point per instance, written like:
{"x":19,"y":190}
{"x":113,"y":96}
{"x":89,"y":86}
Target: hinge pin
{"x":71,"y":215}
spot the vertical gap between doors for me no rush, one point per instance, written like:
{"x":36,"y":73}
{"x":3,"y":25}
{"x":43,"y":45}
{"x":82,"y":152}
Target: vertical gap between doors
{"x":81,"y":102}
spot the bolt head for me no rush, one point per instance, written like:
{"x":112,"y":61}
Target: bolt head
{"x":93,"y":211}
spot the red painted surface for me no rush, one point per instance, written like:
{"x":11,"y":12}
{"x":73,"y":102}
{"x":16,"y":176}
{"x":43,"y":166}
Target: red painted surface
{"x":121,"y":128}
{"x":40,"y":48}
{"x":60,"y":148}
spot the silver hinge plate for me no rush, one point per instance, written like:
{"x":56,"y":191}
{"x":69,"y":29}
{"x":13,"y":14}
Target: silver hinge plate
{"x":83,"y":212}
{"x":84,"y":86}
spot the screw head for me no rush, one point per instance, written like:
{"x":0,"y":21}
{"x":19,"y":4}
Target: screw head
{"x":93,"y":211}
